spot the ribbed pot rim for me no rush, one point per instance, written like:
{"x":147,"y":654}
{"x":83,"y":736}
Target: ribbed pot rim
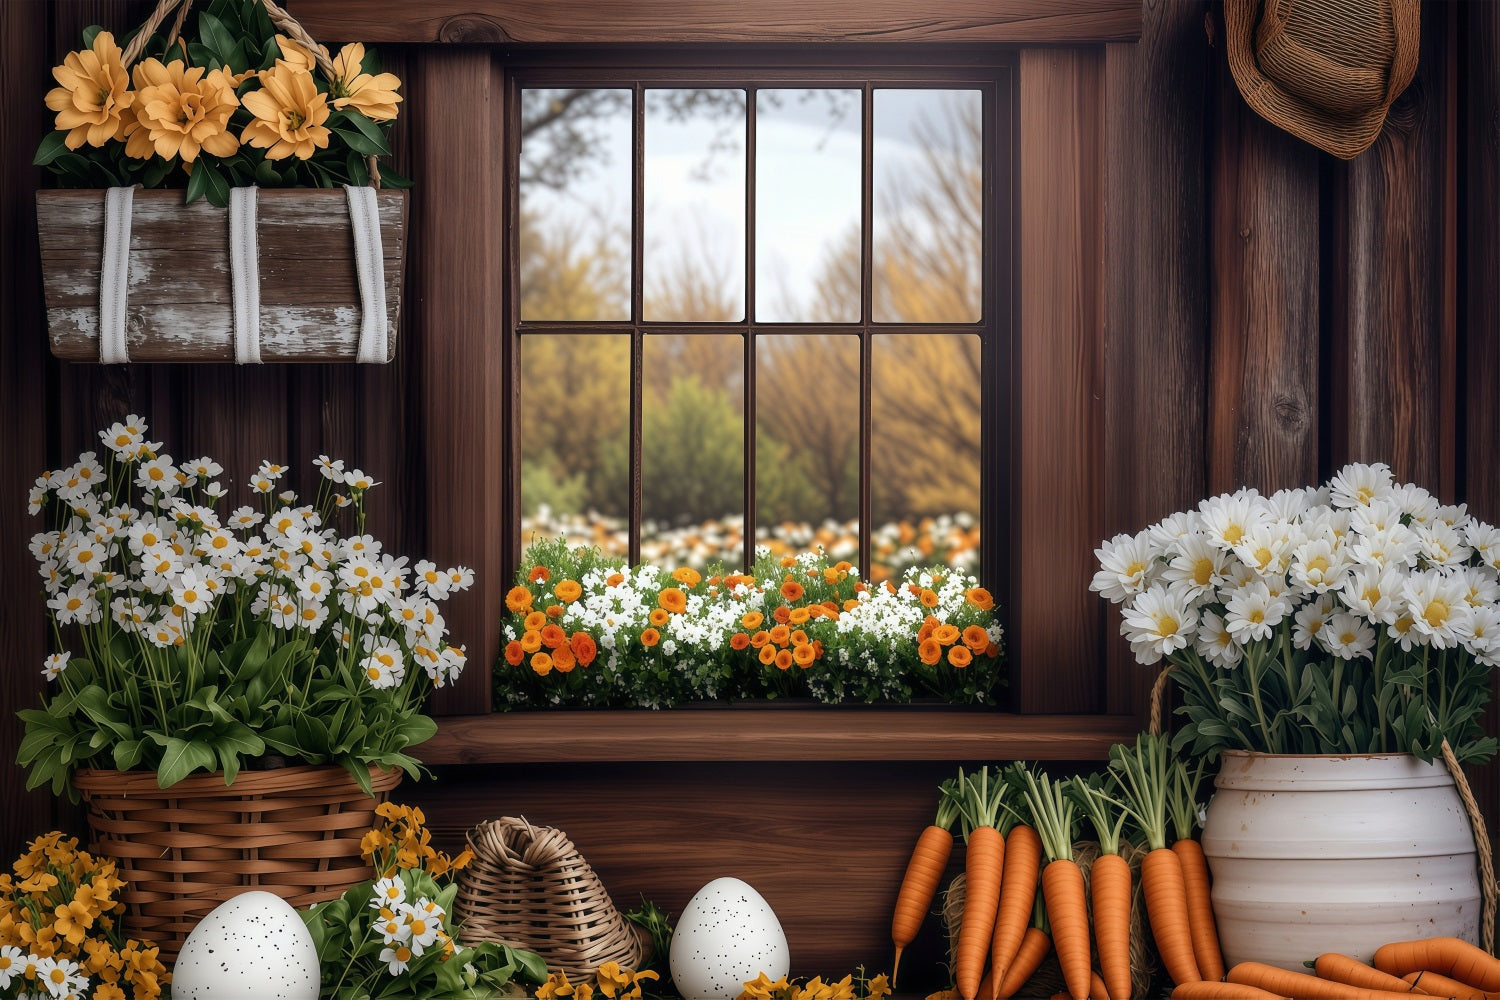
{"x":1253,"y":770}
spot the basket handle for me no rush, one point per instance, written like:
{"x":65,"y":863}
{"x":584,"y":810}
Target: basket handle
{"x":284,"y":21}
{"x":1158,"y":692}
{"x":1481,"y":847}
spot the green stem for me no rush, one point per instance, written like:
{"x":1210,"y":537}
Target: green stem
{"x":1252,"y":671}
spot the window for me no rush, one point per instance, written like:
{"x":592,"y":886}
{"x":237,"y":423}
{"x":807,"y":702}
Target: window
{"x":762,"y":305}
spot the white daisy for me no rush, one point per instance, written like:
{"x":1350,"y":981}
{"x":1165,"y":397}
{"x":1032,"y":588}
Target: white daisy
{"x":1481,"y":634}
{"x":55,"y":665}
{"x":1227,"y":518}
{"x":358,"y":482}
{"x":60,"y":976}
{"x":1158,"y":623}
{"x":396,"y":957}
{"x":1252,"y":612}
{"x":158,"y":475}
{"x":424,"y":926}
{"x":384,"y":664}
{"x":1309,"y":620}
{"x":1125,"y":563}
{"x":1442,"y":544}
{"x":1348,"y":637}
{"x":190,"y":593}
{"x":1197,"y":567}
{"x":1485,"y":540}
{"x":76,"y":604}
{"x":1355,"y":485}
{"x":1438,"y":606}
{"x":12,"y":963}
{"x":1216,"y":643}
{"x":388,"y":893}
{"x":1318,"y":565}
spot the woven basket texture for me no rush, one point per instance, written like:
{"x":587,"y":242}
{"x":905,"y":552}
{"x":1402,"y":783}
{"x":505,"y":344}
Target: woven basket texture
{"x":529,"y":887}
{"x":184,"y":850}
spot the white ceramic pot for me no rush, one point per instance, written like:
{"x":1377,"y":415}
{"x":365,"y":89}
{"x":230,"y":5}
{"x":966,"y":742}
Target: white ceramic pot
{"x":1314,"y":854}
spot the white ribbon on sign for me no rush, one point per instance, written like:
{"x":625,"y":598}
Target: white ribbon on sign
{"x":244,"y":271}
{"x":369,"y":264}
{"x":114,"y":275}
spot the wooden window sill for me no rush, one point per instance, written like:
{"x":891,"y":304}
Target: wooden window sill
{"x":773,"y":733}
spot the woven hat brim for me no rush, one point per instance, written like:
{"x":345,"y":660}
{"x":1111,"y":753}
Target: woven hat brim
{"x":1345,"y":138}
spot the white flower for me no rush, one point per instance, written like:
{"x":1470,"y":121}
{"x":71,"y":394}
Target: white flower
{"x":1216,"y":643}
{"x":1356,"y":485}
{"x":158,"y":475}
{"x":424,"y":924}
{"x":1198,"y":566}
{"x":1227,"y":518}
{"x":1481,"y":585}
{"x":1481,"y":634}
{"x":388,"y":893}
{"x":76,"y":604}
{"x":384,"y":664}
{"x":1125,"y":562}
{"x":1158,"y":623}
{"x":1374,"y":592}
{"x":1252,"y":612}
{"x":332,"y":469}
{"x":357,"y":481}
{"x":1348,"y":636}
{"x":1309,"y":620}
{"x":1169,"y":531}
{"x":12,"y":963}
{"x":1318,"y":565}
{"x":1264,"y":548}
{"x":1439,"y":607}
{"x":1415,"y":502}
{"x":431,"y":579}
{"x":204,"y":468}
{"x":460,"y":578}
{"x":1442,"y":544}
{"x":55,"y":665}
{"x":1485,"y":539}
{"x":87,"y":556}
{"x":311,"y":615}
{"x":123,"y":438}
{"x":396,"y":958}
{"x":245,"y":518}
{"x":60,"y":976}
{"x":1395,"y":545}
{"x":190,"y":593}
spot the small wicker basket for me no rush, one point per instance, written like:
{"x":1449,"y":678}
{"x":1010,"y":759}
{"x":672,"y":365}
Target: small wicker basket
{"x":529,"y":887}
{"x":183,"y":850}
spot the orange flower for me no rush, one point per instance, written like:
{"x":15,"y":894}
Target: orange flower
{"x":946,"y":635}
{"x":784,"y":659}
{"x":799,"y":638}
{"x":615,"y":579}
{"x":553,"y":636}
{"x":831,"y":606}
{"x":804,"y":655}
{"x":518,"y":599}
{"x":791,"y":590}
{"x":925,"y":632}
{"x":541,"y":663}
{"x":843,"y":566}
{"x":780,"y":634}
{"x":568,"y":591}
{"x":554,"y":611}
{"x":93,"y":103}
{"x":760,"y":638}
{"x":752,"y":619}
{"x":739,"y":641}
{"x":562,"y":659}
{"x":929,"y":599}
{"x":976,"y":638}
{"x":992,"y":650}
{"x":584,"y":649}
{"x":798,"y":616}
{"x":180,"y":111}
{"x":659,"y":616}
{"x":687,"y":576}
{"x":782,"y":614}
{"x":650,"y":637}
{"x":289,"y":114}
{"x":980,"y":598}
{"x":535,"y":621}
{"x":514,"y":654}
{"x":531,"y":641}
{"x":930,"y":652}
{"x":767,"y":653}
{"x":787,"y":562}
{"x":539,"y":574}
{"x":813,"y":611}
{"x":672,"y":600}
{"x":960,"y":656}
{"x":850,"y":604}
{"x":373,"y":96}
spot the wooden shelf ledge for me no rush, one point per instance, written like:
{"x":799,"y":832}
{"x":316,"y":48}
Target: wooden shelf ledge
{"x":764,"y":733}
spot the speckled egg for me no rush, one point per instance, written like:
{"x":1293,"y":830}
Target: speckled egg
{"x":727,"y":934}
{"x":251,"y":947}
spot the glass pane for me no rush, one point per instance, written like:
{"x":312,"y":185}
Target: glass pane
{"x":807,"y":206}
{"x":924,"y":452}
{"x":929,"y":206}
{"x":693,"y":450}
{"x":575,"y":204}
{"x":694,"y":267}
{"x":575,"y":439}
{"x":807,"y":443}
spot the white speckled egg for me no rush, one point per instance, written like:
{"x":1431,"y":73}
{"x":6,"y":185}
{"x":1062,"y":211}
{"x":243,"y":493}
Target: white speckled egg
{"x":727,"y":934}
{"x":251,"y":947}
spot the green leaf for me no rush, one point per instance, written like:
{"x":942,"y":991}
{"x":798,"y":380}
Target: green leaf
{"x":361,"y":143}
{"x":282,"y":739}
{"x":197,"y":185}
{"x":89,"y":34}
{"x":239,"y":738}
{"x":416,"y":729}
{"x":53,"y":145}
{"x":266,"y":175}
{"x":217,"y":37}
{"x":217,"y":187}
{"x":128,"y":754}
{"x":312,"y":735}
{"x":183,"y":757}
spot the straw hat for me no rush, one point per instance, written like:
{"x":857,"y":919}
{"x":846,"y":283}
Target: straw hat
{"x":1327,"y":71}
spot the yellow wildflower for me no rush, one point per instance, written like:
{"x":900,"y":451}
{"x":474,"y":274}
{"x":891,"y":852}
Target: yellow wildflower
{"x":295,"y":54}
{"x":289,"y":114}
{"x":73,"y":921}
{"x":94,"y":101}
{"x":557,"y":985}
{"x":373,"y":96}
{"x":180,"y":111}
{"x":879,"y":987}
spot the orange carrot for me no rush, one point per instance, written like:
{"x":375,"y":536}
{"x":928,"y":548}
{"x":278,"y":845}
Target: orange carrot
{"x":1351,"y":971}
{"x":1034,"y":947}
{"x":1023,"y":864}
{"x":1205,"y":990}
{"x":1301,"y":986}
{"x":1145,"y":780}
{"x":1437,"y":985}
{"x":1097,"y":989}
{"x":1184,"y":811}
{"x":1447,"y":956}
{"x":1062,"y":880}
{"x":923,"y":873}
{"x":980,"y":801}
{"x":1109,"y":884}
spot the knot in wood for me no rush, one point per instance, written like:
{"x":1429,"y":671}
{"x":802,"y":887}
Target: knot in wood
{"x":472,"y":28}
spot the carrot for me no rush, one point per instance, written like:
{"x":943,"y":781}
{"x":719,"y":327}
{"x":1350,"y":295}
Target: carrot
{"x":1145,"y":781}
{"x":980,"y":801}
{"x":1301,"y":986}
{"x":1023,"y":865}
{"x":1447,"y":956}
{"x":1351,"y":971}
{"x":1097,"y":989}
{"x":1109,"y":884}
{"x":1205,"y":933}
{"x":1205,"y":990}
{"x":923,"y":873}
{"x":1062,"y":880}
{"x":1437,"y":985}
{"x":1034,"y":947}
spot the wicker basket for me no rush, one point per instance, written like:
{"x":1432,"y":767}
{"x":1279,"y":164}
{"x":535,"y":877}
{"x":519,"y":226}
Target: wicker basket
{"x":183,"y":850}
{"x":529,"y":887}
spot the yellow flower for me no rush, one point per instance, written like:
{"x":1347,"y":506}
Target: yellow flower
{"x":108,"y":991}
{"x":879,"y":987}
{"x":295,"y":54}
{"x":373,"y":96}
{"x":557,"y":985}
{"x":73,"y":921}
{"x":38,"y":882}
{"x":289,"y":114}
{"x":612,"y":979}
{"x":180,"y":111}
{"x":94,"y":100}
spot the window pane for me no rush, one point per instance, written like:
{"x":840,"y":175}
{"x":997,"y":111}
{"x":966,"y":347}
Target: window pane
{"x":807,"y":206}
{"x":807,"y":443}
{"x":575,"y":204}
{"x":693,"y":450}
{"x":924,"y":443}
{"x":694,"y":266}
{"x":575,"y":439}
{"x":929,"y":206}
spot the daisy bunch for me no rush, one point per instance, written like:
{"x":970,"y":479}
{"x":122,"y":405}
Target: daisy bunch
{"x":1359,"y":616}
{"x":60,"y":935}
{"x":192,"y":634}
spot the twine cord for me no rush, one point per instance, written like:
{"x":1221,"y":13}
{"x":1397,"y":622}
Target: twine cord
{"x":1482,"y":848}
